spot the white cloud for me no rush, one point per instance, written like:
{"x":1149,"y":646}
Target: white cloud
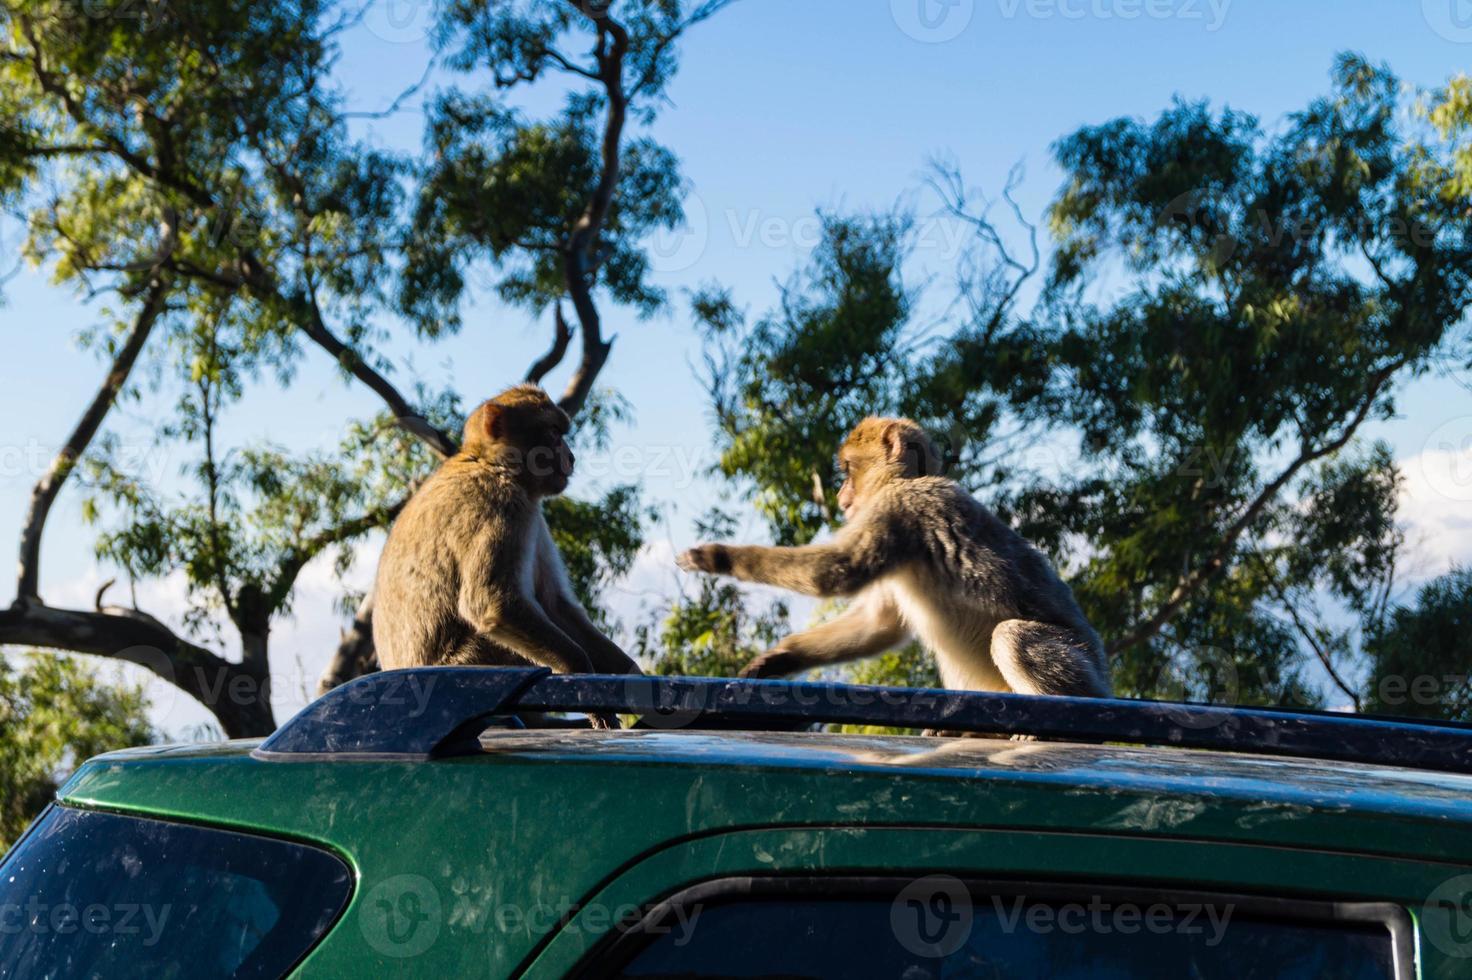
{"x":1436,"y":508}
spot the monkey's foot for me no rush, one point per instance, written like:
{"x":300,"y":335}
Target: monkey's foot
{"x":945,"y":733}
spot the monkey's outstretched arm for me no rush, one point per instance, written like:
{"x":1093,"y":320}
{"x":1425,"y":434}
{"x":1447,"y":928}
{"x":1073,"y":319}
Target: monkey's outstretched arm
{"x":841,"y":567}
{"x":870,"y":626}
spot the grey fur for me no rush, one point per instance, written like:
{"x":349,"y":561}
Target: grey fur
{"x":923,"y":558}
{"x":470,"y":575}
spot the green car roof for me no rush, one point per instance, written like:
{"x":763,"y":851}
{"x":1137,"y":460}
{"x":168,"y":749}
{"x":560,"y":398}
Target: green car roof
{"x":563,"y":822}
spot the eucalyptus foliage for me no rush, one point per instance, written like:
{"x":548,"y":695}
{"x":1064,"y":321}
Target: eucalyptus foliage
{"x":1225,"y":306}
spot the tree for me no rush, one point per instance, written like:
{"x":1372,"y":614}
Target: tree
{"x":842,"y":343}
{"x":557,"y":207}
{"x":1419,"y":654}
{"x":1450,"y":111}
{"x":195,"y":168}
{"x":1280,"y":287}
{"x":715,"y":632}
{"x":53,"y":714}
{"x":200,"y":171}
{"x":1265,"y":295}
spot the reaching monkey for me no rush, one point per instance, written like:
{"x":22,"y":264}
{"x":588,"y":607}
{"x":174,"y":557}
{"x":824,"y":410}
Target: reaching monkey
{"x":920,"y":556}
{"x":470,"y":574}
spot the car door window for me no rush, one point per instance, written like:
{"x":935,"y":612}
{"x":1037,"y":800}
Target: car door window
{"x":89,"y":894}
{"x":940,"y":928}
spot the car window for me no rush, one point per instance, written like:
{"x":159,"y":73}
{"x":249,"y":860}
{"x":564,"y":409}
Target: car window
{"x":88,"y":894}
{"x":934,"y":933}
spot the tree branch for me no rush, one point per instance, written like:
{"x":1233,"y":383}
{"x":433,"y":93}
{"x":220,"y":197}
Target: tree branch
{"x":49,"y":486}
{"x":946,"y":180}
{"x":1308,"y":634}
{"x":561,"y":338}
{"x":1191,"y":583}
{"x":238,"y":698}
{"x":407,"y":418}
{"x":355,"y":655}
{"x":579,"y":255}
{"x":703,"y":12}
{"x":286,"y":576}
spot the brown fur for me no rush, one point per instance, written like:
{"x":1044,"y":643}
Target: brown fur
{"x":923,"y":558}
{"x":470,"y":574}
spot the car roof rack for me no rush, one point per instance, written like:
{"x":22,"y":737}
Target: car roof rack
{"x":427,"y":713}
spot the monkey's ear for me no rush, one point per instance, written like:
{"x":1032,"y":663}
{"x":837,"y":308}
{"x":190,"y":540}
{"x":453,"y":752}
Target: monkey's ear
{"x":911,"y":453}
{"x":897,"y":446}
{"x":493,"y":423}
{"x":487,"y":423}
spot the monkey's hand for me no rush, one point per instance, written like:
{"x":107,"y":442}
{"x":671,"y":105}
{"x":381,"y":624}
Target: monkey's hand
{"x":713,"y":559}
{"x":774,"y":663}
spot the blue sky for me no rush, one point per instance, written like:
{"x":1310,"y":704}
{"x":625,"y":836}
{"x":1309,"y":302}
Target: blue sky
{"x":781,"y":106}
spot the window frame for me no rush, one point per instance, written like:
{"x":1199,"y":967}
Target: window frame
{"x":349,"y":868}
{"x":621,"y":945}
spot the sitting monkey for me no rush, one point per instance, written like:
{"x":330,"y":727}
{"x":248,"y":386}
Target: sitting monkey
{"x":921,"y":557}
{"x":470,"y":574}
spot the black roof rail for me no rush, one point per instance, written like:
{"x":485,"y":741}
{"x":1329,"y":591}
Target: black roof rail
{"x":427,"y":713}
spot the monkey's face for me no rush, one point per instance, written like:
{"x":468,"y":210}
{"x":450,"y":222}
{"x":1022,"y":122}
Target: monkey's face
{"x":549,"y":459}
{"x":863,"y":471}
{"x":878,"y":451}
{"x":526,"y":429}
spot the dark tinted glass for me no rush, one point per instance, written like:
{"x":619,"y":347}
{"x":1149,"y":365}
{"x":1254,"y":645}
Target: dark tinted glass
{"x":89,"y":894}
{"x":995,"y":936}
